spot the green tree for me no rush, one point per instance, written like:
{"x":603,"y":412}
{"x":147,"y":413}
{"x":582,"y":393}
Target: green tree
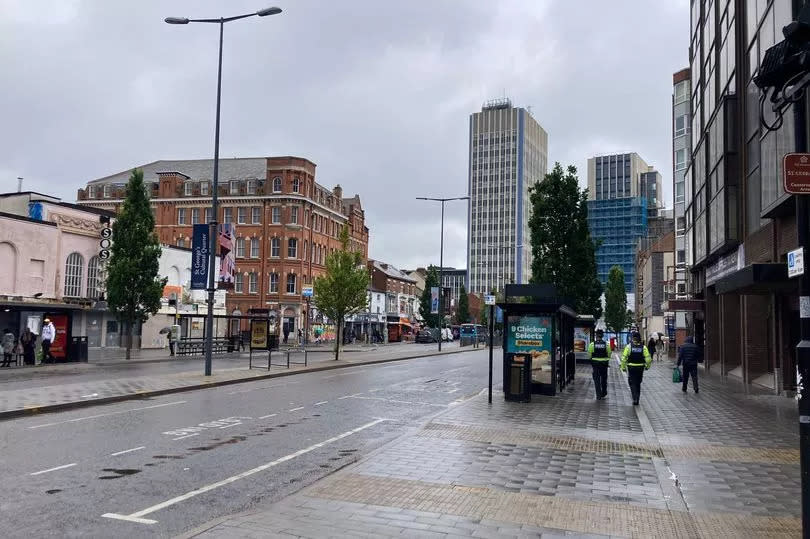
{"x":432,"y":279}
{"x":463,"y":310}
{"x":134,"y":287}
{"x":564,"y":253}
{"x":615,"y":301}
{"x":342,"y":291}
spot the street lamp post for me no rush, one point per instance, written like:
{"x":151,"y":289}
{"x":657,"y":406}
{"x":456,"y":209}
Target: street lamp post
{"x":441,"y":261}
{"x":212,"y":226}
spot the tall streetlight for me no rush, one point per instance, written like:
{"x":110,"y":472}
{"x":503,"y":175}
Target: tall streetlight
{"x":441,"y":261}
{"x":212,"y":226}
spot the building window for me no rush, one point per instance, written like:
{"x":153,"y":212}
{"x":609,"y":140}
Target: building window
{"x":188,"y":189}
{"x":291,"y":283}
{"x":107,"y":190}
{"x":227,"y":215}
{"x":681,"y":257}
{"x":681,"y":289}
{"x":241,"y":215}
{"x":680,"y":226}
{"x":91,"y":191}
{"x":93,"y":278}
{"x":679,"y":194}
{"x":251,"y":187}
{"x":292,"y":248}
{"x":275,"y":212}
{"x":240,"y":247}
{"x":195,"y":216}
{"x":256,"y":215}
{"x":681,"y":92}
{"x":181,"y":242}
{"x":276,"y":184}
{"x":254,"y":248}
{"x":680,"y":159}
{"x":181,"y":216}
{"x":304,"y":252}
{"x":294,"y":215}
{"x":274,"y":283}
{"x":296,"y":187}
{"x":275,"y":247}
{"x":73,"y":275}
{"x":238,"y":282}
{"x":234,"y":187}
{"x":253,"y":283}
{"x":681,"y":125}
{"x":204,"y":188}
{"x":208,"y":213}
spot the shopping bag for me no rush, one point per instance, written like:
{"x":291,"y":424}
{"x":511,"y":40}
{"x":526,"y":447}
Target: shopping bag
{"x":676,"y":375}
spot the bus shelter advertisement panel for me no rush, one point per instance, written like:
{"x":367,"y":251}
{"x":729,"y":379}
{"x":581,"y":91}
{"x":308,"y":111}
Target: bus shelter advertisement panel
{"x":532,"y":335}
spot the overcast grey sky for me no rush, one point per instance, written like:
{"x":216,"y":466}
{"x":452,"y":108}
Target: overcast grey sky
{"x":377,"y":93}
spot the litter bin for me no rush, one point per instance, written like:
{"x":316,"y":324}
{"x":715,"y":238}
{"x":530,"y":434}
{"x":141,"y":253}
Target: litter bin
{"x":518,"y":383}
{"x":78,"y":349}
{"x":272,"y":342}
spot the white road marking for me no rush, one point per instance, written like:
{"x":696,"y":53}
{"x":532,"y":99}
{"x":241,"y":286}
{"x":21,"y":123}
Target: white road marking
{"x":454,"y":390}
{"x":349,"y":396}
{"x":231,"y":425}
{"x":320,"y":403}
{"x":399,"y":401}
{"x":105,"y":415}
{"x":54,"y":469}
{"x":296,"y":409}
{"x":138,"y":516}
{"x":268,"y":415}
{"x":90,"y":395}
{"x":127,"y":451}
{"x":187,"y":436}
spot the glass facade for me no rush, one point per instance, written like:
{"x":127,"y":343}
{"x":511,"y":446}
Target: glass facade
{"x":618,"y":224}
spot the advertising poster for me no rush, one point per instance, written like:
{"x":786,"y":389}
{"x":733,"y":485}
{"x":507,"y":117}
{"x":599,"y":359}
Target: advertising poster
{"x":582,"y":338}
{"x":258,"y":334}
{"x":532,"y":335}
{"x":199,"y":257}
{"x":227,"y":258}
{"x":59,"y":345}
{"x":434,"y":300}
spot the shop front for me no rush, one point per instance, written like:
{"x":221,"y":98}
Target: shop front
{"x":67,"y":320}
{"x":399,"y":329}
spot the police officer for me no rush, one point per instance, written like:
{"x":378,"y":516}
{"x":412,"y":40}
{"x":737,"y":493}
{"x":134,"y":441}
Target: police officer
{"x":600,"y":352}
{"x":635,"y":360}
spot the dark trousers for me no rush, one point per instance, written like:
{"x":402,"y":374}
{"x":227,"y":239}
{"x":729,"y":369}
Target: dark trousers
{"x":28,"y":355}
{"x":634,"y":377}
{"x":7,"y":360}
{"x":690,"y":370}
{"x":171,"y":348}
{"x":600,"y":371}
{"x":46,"y":352}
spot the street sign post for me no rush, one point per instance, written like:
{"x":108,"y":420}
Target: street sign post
{"x":796,"y":173}
{"x":489,"y":299}
{"x":307,"y":290}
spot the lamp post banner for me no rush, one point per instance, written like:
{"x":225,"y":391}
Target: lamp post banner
{"x":227,"y":260}
{"x":199,"y":257}
{"x":434,"y":299}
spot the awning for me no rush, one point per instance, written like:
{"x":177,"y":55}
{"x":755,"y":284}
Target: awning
{"x":758,"y":279}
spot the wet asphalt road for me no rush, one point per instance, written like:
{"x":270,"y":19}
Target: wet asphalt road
{"x":162,"y":466}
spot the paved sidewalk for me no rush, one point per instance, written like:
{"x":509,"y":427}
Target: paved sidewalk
{"x":722,"y":463}
{"x":56,"y":387}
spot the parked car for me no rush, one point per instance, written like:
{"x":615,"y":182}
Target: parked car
{"x":425,"y":336}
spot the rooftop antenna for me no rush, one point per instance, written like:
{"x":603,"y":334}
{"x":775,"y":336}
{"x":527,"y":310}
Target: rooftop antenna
{"x":19,"y":184}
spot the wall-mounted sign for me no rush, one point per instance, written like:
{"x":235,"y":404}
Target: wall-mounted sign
{"x":489,"y":300}
{"x":796,"y":173}
{"x":307,"y":290}
{"x":795,"y":262}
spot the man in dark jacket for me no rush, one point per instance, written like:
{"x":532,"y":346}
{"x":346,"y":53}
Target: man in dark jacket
{"x":690,"y":355}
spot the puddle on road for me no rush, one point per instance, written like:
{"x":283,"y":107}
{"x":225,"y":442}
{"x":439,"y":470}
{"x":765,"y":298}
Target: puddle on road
{"x":120,"y":472}
{"x":235,"y":439}
{"x":53,"y":491}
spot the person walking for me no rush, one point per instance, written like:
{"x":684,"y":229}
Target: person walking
{"x":635,"y":360}
{"x":48,"y":336}
{"x":172,"y":341}
{"x":600,"y":352}
{"x":8,"y":347}
{"x":651,"y":346}
{"x":689,"y":355}
{"x":28,"y":340}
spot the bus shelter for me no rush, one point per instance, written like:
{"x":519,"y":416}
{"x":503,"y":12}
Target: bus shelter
{"x":583,"y":337}
{"x":538,"y":341}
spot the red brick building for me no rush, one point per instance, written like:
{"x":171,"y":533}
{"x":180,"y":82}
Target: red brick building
{"x":286,"y":223}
